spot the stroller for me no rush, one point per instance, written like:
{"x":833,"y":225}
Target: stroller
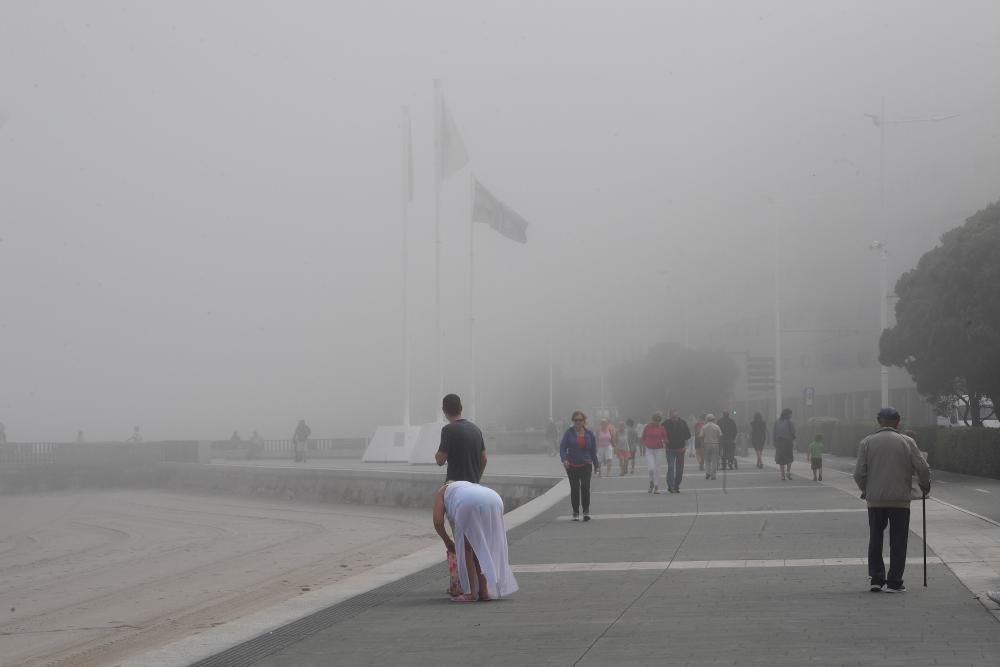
{"x":728,"y":454}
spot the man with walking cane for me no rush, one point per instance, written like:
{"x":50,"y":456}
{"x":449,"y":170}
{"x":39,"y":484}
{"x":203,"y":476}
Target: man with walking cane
{"x":887,"y":462}
{"x":918,"y":493}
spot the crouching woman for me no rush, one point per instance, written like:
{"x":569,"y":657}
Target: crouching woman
{"x":480,"y":544}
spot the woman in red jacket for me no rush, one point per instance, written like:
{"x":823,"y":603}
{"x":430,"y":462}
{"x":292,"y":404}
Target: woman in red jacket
{"x":653,"y":438}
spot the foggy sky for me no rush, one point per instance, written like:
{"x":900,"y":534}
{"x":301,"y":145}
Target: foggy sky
{"x":200,"y":202}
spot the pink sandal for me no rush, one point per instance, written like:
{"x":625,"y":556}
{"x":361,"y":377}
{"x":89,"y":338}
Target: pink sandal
{"x":463,"y":598}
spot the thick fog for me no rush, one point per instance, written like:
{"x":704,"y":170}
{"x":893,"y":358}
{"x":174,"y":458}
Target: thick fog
{"x":200,"y":203}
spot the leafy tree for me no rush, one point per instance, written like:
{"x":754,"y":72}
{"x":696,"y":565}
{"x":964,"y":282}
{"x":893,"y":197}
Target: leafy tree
{"x":947,"y":332}
{"x":670,"y":376}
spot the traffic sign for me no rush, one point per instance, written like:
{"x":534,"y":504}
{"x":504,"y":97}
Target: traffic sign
{"x":760,"y":373}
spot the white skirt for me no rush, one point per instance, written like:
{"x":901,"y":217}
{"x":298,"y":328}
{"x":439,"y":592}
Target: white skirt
{"x":476,"y":514}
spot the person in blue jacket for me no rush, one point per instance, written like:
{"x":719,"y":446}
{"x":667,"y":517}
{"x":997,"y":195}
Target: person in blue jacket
{"x":578,"y":452}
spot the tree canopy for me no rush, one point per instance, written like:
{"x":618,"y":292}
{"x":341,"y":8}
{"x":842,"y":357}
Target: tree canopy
{"x":947,"y":332}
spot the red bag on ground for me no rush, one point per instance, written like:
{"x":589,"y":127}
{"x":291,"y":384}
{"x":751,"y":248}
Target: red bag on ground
{"x":454,"y":583}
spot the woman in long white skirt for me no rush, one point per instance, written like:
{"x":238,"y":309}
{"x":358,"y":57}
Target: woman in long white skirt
{"x":480,"y":544}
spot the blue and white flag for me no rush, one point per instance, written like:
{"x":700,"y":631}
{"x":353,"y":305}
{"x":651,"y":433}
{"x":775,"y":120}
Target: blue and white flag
{"x":489,"y":210}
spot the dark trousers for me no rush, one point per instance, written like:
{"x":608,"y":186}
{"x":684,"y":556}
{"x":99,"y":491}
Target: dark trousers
{"x":898,"y":519}
{"x":579,"y":487}
{"x":675,"y":467}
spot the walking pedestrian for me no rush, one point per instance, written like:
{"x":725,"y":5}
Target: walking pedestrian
{"x":784,"y":443}
{"x":678,"y":434}
{"x":622,"y":450}
{"x":256,"y":445}
{"x":699,"y":442}
{"x":605,"y":446}
{"x":462,"y":446}
{"x":642,"y":448}
{"x":887,"y":462}
{"x":728,"y":444}
{"x":633,"y":442}
{"x":758,"y":436}
{"x":136,"y":435}
{"x":578,"y":452}
{"x":654,"y":438}
{"x":816,"y":457}
{"x":300,"y":441}
{"x":711,"y":436}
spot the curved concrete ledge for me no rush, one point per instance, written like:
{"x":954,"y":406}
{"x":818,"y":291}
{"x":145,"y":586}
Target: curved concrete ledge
{"x":330,"y":485}
{"x":215,"y":640}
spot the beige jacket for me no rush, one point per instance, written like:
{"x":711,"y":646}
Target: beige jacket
{"x":711,"y":434}
{"x":887,"y":462}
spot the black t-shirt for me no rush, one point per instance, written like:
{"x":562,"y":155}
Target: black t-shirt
{"x":678,"y":433}
{"x":463,"y":442}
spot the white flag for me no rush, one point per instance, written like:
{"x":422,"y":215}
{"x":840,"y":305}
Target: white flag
{"x":452,"y":149}
{"x":489,"y":210}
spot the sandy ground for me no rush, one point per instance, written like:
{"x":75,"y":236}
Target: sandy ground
{"x":89,"y":578}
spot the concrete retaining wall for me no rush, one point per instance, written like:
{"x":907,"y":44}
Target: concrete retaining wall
{"x":48,"y":478}
{"x":364,"y":487}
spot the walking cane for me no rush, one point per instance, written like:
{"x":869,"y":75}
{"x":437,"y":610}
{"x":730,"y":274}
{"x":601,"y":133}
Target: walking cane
{"x":724,"y":491}
{"x":923,"y":507}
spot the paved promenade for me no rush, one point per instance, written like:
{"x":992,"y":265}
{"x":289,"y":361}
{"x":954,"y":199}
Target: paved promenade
{"x":746,"y":569}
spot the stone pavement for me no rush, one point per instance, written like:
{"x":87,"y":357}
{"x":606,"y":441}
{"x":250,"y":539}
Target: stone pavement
{"x":765,"y":572}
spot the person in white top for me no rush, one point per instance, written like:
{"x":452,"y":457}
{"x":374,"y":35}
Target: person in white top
{"x":711,"y":436}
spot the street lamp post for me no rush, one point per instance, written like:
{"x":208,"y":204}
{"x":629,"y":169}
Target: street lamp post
{"x":777,"y":321}
{"x":880,"y":121}
{"x":883,"y":251}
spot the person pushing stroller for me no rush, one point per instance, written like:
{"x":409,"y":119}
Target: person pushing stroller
{"x":728,"y":444}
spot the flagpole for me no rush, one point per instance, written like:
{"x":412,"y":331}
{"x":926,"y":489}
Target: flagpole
{"x":472,"y":311}
{"x":550,"y":376}
{"x":437,"y":243}
{"x":407,"y":175}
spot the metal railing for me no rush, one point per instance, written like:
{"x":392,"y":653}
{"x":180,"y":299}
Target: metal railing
{"x":28,"y":452}
{"x":313,"y":445}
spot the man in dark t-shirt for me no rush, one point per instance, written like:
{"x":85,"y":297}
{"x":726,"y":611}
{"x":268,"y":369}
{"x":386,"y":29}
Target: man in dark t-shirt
{"x":462,"y":446}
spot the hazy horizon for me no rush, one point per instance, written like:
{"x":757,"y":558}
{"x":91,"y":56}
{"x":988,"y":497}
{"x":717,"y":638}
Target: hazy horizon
{"x":200,"y":204}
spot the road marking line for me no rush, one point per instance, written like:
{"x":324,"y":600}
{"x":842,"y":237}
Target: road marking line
{"x":545,"y":568}
{"x":692,"y":471}
{"x":662,"y":515}
{"x":980,"y":490}
{"x":713,"y":488}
